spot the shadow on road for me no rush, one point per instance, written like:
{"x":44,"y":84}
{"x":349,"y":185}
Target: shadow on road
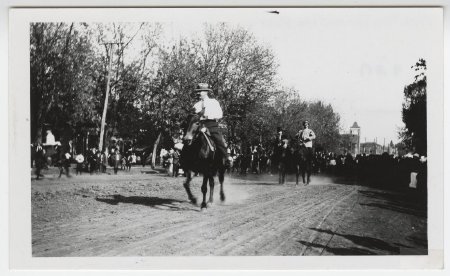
{"x":401,"y":203}
{"x":262,"y":183}
{"x":261,"y":179}
{"x":397,"y":208}
{"x":418,"y":241}
{"x":351,"y":251}
{"x":367,"y":242}
{"x":155,"y":202}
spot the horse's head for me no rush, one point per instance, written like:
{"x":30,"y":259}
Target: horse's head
{"x":194,"y":123}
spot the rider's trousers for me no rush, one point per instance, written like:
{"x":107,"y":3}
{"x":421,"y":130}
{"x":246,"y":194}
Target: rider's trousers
{"x":216,"y":136}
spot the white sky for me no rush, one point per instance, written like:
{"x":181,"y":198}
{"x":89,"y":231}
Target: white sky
{"x":358,"y":60}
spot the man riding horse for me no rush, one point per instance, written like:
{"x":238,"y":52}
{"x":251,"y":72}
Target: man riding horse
{"x":282,"y":151}
{"x":205,"y":151}
{"x":305,"y":137}
{"x":210,"y":112}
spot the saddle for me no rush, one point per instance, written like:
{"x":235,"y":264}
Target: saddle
{"x":205,"y":132}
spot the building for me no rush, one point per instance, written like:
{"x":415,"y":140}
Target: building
{"x":371,"y":148}
{"x":375,"y":148}
{"x":350,"y":142}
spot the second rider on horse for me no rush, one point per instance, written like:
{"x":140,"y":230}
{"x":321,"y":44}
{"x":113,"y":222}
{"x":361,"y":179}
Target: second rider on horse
{"x":305,"y":137}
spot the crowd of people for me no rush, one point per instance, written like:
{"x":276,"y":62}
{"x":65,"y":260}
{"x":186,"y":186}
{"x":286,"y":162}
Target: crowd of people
{"x":381,"y":170}
{"x":94,"y":161}
{"x":385,"y":170}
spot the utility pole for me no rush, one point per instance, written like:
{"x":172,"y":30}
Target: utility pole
{"x":108,"y":81}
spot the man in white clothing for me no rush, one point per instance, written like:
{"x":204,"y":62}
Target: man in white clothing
{"x":210,"y":112}
{"x":305,"y":137}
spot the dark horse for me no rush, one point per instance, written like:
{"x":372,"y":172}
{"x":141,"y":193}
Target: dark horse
{"x":283,"y":156}
{"x":199,"y":155}
{"x":303,"y":163}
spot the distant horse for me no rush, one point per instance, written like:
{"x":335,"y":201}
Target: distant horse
{"x":199,"y":155}
{"x":303,"y":161}
{"x":283,"y":157}
{"x":254,"y":164}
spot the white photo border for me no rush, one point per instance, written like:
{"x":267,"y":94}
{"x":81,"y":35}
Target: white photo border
{"x":19,"y":195}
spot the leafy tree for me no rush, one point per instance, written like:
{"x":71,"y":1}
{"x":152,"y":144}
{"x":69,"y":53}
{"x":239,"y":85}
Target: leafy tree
{"x":325,"y":123}
{"x":240,"y":70}
{"x":63,"y":73}
{"x":414,"y":113}
{"x":152,"y":83}
{"x":288,"y":111}
{"x":131,"y":70}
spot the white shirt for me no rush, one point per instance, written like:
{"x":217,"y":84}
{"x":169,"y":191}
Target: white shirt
{"x":79,"y":158}
{"x":213,"y":111}
{"x":50,"y":139}
{"x":307,"y":134}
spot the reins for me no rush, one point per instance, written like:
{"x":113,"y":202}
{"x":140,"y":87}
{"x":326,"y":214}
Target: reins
{"x":209,"y":141}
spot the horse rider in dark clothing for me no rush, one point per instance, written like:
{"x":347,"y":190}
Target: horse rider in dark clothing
{"x":278,"y":142}
{"x":210,"y":113}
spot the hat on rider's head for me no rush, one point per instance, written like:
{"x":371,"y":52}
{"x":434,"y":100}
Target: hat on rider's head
{"x":305,"y":122}
{"x":202,"y":87}
{"x":279,"y":129}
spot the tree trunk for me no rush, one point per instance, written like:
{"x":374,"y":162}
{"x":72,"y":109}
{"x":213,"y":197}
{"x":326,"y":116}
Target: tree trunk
{"x":38,"y":139}
{"x":105,"y":106}
{"x":155,"y":146}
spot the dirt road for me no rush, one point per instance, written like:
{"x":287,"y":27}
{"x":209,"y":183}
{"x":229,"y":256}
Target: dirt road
{"x":140,"y":214}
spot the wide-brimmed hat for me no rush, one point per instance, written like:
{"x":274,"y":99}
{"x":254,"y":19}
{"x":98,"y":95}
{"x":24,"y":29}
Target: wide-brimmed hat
{"x":202,"y":87}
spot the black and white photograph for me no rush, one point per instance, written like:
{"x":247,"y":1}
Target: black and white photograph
{"x":229,"y":132}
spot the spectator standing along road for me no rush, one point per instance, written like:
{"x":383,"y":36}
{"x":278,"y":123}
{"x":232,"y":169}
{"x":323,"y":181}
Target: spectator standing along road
{"x":80,"y":160}
{"x":116,"y":160}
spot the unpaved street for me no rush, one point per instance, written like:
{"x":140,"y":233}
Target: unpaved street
{"x":143,"y":214}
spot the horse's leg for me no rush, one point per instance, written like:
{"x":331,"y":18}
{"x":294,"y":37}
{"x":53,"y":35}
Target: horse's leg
{"x":280,"y":174}
{"x":66,"y":168}
{"x":309,"y":164}
{"x":204,"y":191}
{"x":297,"y":173}
{"x":308,"y":173}
{"x":211,"y":190}
{"x":187,"y":187}
{"x":221,"y":179}
{"x":303,"y":173}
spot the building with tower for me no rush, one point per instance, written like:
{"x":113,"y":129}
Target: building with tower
{"x":350,"y":142}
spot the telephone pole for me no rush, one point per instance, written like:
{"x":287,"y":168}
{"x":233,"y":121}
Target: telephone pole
{"x":108,"y":81}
